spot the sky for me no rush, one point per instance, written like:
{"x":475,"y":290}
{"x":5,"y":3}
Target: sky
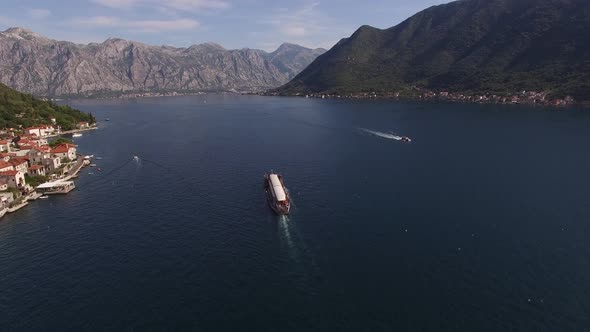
{"x":262,"y":24}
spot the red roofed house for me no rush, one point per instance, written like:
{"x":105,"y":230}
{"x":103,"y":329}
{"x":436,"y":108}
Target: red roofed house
{"x":5,"y":145}
{"x":19,"y":164}
{"x":39,"y":141}
{"x":37,"y":170}
{"x":65,"y":151}
{"x":4,"y":156}
{"x":15,"y":179}
{"x":5,"y":166}
{"x":83,"y":125}
{"x":38,"y":154}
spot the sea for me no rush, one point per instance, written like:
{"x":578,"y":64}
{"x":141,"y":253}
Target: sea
{"x":481,"y":223}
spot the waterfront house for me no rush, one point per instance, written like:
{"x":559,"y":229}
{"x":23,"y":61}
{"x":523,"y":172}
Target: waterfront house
{"x":37,"y":170}
{"x":39,"y":141}
{"x":40,"y":131}
{"x":15,"y":179}
{"x":83,"y":125}
{"x":64,"y":151}
{"x":6,"y":198}
{"x":52,"y":164}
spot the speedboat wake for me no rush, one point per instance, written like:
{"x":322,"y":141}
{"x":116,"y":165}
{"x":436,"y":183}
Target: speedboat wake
{"x":382,"y":134}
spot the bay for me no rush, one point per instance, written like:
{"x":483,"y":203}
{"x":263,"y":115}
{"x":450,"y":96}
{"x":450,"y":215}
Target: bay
{"x":481,"y":223}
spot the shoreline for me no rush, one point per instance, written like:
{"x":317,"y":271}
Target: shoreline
{"x":526,"y":98}
{"x":538,"y":98}
{"x":75,"y":167}
{"x":73,"y":131}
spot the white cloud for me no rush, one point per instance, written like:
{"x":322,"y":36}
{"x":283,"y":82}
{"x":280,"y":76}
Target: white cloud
{"x":119,"y":4}
{"x":136,"y":25}
{"x":293,"y":29}
{"x":163,"y":25}
{"x":179,"y":5}
{"x":38,"y":13}
{"x":307,"y":26}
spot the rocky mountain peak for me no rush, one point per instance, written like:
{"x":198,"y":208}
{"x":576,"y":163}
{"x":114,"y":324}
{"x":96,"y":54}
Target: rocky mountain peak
{"x":21,"y":33}
{"x":33,"y":64}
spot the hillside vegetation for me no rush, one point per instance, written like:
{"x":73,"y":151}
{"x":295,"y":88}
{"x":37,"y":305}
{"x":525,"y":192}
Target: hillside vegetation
{"x":19,"y":109}
{"x":471,"y":46}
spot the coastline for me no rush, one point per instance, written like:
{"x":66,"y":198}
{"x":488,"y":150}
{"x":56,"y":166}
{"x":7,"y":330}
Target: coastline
{"x":529,"y":98}
{"x":30,"y":193}
{"x":525,"y":98}
{"x":73,"y":131}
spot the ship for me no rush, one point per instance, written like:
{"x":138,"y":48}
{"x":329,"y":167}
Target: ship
{"x":406,"y":139}
{"x":276,"y":194}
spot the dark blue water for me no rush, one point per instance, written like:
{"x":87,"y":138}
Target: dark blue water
{"x":482,"y":223}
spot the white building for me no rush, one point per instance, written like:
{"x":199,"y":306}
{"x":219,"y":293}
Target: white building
{"x":5,"y":145}
{"x":40,"y":131}
{"x":15,"y":179}
{"x":65,"y":151}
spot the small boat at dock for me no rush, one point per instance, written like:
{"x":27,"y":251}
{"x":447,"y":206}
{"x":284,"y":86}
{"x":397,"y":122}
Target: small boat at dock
{"x":276,"y":194}
{"x":44,"y":197}
{"x":77,"y":135}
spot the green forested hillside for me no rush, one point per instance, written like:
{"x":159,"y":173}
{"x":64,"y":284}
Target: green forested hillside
{"x":19,"y":109}
{"x":489,"y":46}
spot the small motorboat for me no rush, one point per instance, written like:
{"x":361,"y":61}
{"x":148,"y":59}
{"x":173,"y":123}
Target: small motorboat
{"x":77,"y":135}
{"x":107,"y":119}
{"x":406,"y":139}
{"x":44,"y":197}
{"x":99,"y":169}
{"x":92,"y":165}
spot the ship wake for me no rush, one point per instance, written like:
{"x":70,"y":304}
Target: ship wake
{"x":382,"y":134}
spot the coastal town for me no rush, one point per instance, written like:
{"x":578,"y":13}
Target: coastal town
{"x":541,"y":98}
{"x":38,"y":161}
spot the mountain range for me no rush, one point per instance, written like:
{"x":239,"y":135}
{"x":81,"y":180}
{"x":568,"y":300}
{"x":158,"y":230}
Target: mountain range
{"x":466,"y":46}
{"x":45,"y":67}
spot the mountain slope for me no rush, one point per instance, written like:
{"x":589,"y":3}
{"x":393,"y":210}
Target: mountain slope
{"x":18,"y":109}
{"x":496,"y":46}
{"x":46,"y":67}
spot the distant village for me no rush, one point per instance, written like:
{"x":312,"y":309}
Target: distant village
{"x":32,"y":166}
{"x":523,"y":97}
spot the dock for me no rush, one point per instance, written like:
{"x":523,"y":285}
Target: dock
{"x":33,"y":196}
{"x":18,"y":207}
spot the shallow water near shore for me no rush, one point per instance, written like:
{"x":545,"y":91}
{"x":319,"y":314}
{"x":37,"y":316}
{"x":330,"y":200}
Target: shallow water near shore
{"x":481,"y":223}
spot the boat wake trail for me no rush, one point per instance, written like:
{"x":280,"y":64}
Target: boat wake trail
{"x":382,"y":134}
{"x":302,"y":267}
